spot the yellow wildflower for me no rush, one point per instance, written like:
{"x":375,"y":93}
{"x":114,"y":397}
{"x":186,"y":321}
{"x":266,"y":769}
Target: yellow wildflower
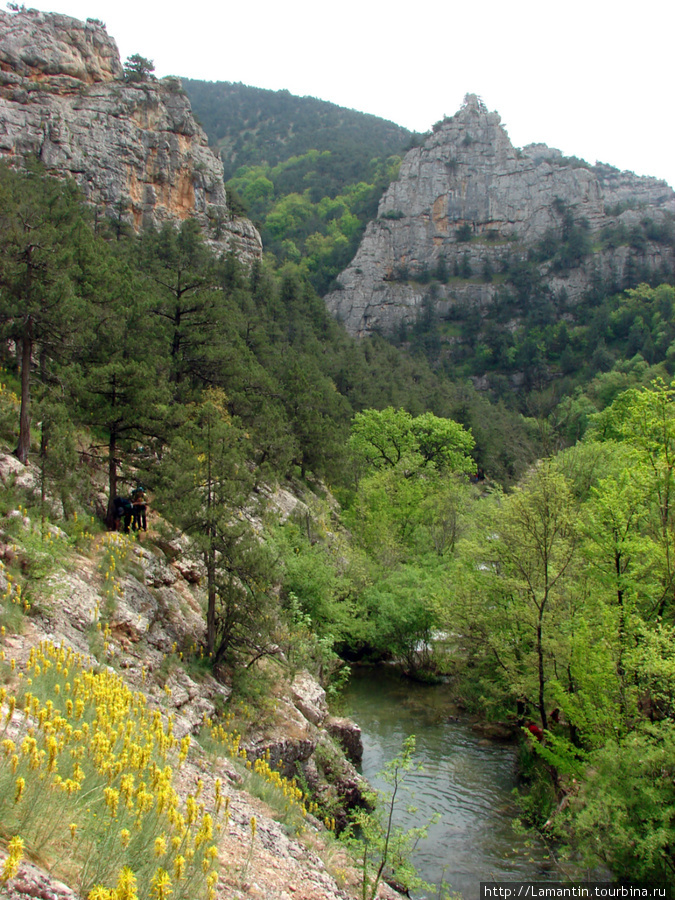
{"x":161,"y":887}
{"x":126,"y":885}
{"x":11,"y":866}
{"x":101,"y":893}
{"x":178,"y":867}
{"x":20,"y":785}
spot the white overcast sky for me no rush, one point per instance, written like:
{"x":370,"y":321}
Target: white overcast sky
{"x":594,"y":78}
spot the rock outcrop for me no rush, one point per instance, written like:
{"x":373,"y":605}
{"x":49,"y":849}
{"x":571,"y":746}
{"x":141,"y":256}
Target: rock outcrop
{"x":466,"y":200}
{"x":133,"y":147}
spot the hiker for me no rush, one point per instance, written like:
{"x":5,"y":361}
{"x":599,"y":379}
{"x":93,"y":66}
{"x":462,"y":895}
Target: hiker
{"x":123,"y":511}
{"x":139,"y":505}
{"x":535,"y":731}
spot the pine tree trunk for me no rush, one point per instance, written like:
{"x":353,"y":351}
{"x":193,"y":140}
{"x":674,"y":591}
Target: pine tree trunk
{"x":23,"y":446}
{"x":210,"y":560}
{"x":112,"y":479}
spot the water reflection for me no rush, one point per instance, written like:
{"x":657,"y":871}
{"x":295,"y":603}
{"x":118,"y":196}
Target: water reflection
{"x":466,"y":780}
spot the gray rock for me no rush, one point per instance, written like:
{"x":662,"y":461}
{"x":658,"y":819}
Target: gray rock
{"x":287,"y":746}
{"x":191,"y":570}
{"x":348,"y":735}
{"x":30,"y":881}
{"x":309,"y":698}
{"x":467,"y":175}
{"x":12,"y":472}
{"x":134,"y":149}
{"x":135,"y":611}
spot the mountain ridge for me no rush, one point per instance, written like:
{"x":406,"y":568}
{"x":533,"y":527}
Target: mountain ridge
{"x":470,"y":201}
{"x":230,"y":110}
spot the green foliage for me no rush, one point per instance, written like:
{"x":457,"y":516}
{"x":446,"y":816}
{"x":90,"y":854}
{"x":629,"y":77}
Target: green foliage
{"x":252,"y":126}
{"x":314,"y":584}
{"x":9,"y":413}
{"x":305,"y":649}
{"x":205,"y":486}
{"x":47,"y":254}
{"x":398,"y":615}
{"x":563,"y":598}
{"x":394,"y":438}
{"x":406,"y":515}
{"x":464,"y":233}
{"x":380,"y":846}
{"x":625,"y":818}
{"x":522,"y":568}
{"x":137,"y":68}
{"x":303,"y":224}
{"x":310,"y":173}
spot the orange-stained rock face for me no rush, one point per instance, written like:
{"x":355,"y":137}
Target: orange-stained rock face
{"x":440,"y":214}
{"x":133,"y":148}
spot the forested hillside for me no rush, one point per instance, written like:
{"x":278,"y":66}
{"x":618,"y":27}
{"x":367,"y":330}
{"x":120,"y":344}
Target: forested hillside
{"x":308,"y":172}
{"x":519,"y":547}
{"x":251,"y":126}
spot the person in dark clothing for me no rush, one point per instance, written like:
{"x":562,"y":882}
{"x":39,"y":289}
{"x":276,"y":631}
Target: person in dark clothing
{"x":123,"y":513}
{"x":139,"y":504}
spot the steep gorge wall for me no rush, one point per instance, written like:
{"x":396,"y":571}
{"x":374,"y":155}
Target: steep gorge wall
{"x":134,"y":148}
{"x":468,"y":177}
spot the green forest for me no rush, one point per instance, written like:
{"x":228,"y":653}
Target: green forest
{"x":309,"y":173}
{"x":535,"y":531}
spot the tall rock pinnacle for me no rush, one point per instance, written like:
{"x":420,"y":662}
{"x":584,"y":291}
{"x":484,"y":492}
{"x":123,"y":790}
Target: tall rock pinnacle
{"x":464,"y":202}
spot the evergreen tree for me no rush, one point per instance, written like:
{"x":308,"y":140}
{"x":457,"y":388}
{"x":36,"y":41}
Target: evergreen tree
{"x":120,"y":379}
{"x":205,"y":487}
{"x":45,"y":251}
{"x":187,"y":298}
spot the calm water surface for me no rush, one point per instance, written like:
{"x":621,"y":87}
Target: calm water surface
{"x":466,"y":780}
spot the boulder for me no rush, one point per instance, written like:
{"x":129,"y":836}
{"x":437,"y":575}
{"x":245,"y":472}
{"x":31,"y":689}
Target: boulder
{"x":288,"y":745}
{"x":309,"y":698}
{"x":12,"y":472}
{"x":348,"y":735}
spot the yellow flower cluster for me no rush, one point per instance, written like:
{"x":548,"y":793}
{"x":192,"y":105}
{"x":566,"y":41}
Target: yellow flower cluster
{"x":286,"y":792}
{"x":11,"y":866}
{"x":114,"y":548}
{"x":288,"y":788}
{"x":82,"y":529}
{"x":8,"y":397}
{"x":13,"y":591}
{"x":83,"y":759}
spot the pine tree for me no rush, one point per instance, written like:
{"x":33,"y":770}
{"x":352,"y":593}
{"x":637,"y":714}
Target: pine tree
{"x":45,"y":255}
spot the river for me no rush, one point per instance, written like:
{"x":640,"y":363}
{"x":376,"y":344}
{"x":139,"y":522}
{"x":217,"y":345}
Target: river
{"x":466,"y":780}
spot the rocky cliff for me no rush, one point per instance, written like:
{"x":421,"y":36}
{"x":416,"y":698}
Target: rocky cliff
{"x":467,"y":204}
{"x":134,"y":148}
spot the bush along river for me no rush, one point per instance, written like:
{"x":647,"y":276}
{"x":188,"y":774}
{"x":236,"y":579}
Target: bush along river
{"x":466,"y":780}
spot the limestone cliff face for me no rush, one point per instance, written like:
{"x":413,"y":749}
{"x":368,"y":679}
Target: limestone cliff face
{"x":469,"y":198}
{"x":135,"y":149}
